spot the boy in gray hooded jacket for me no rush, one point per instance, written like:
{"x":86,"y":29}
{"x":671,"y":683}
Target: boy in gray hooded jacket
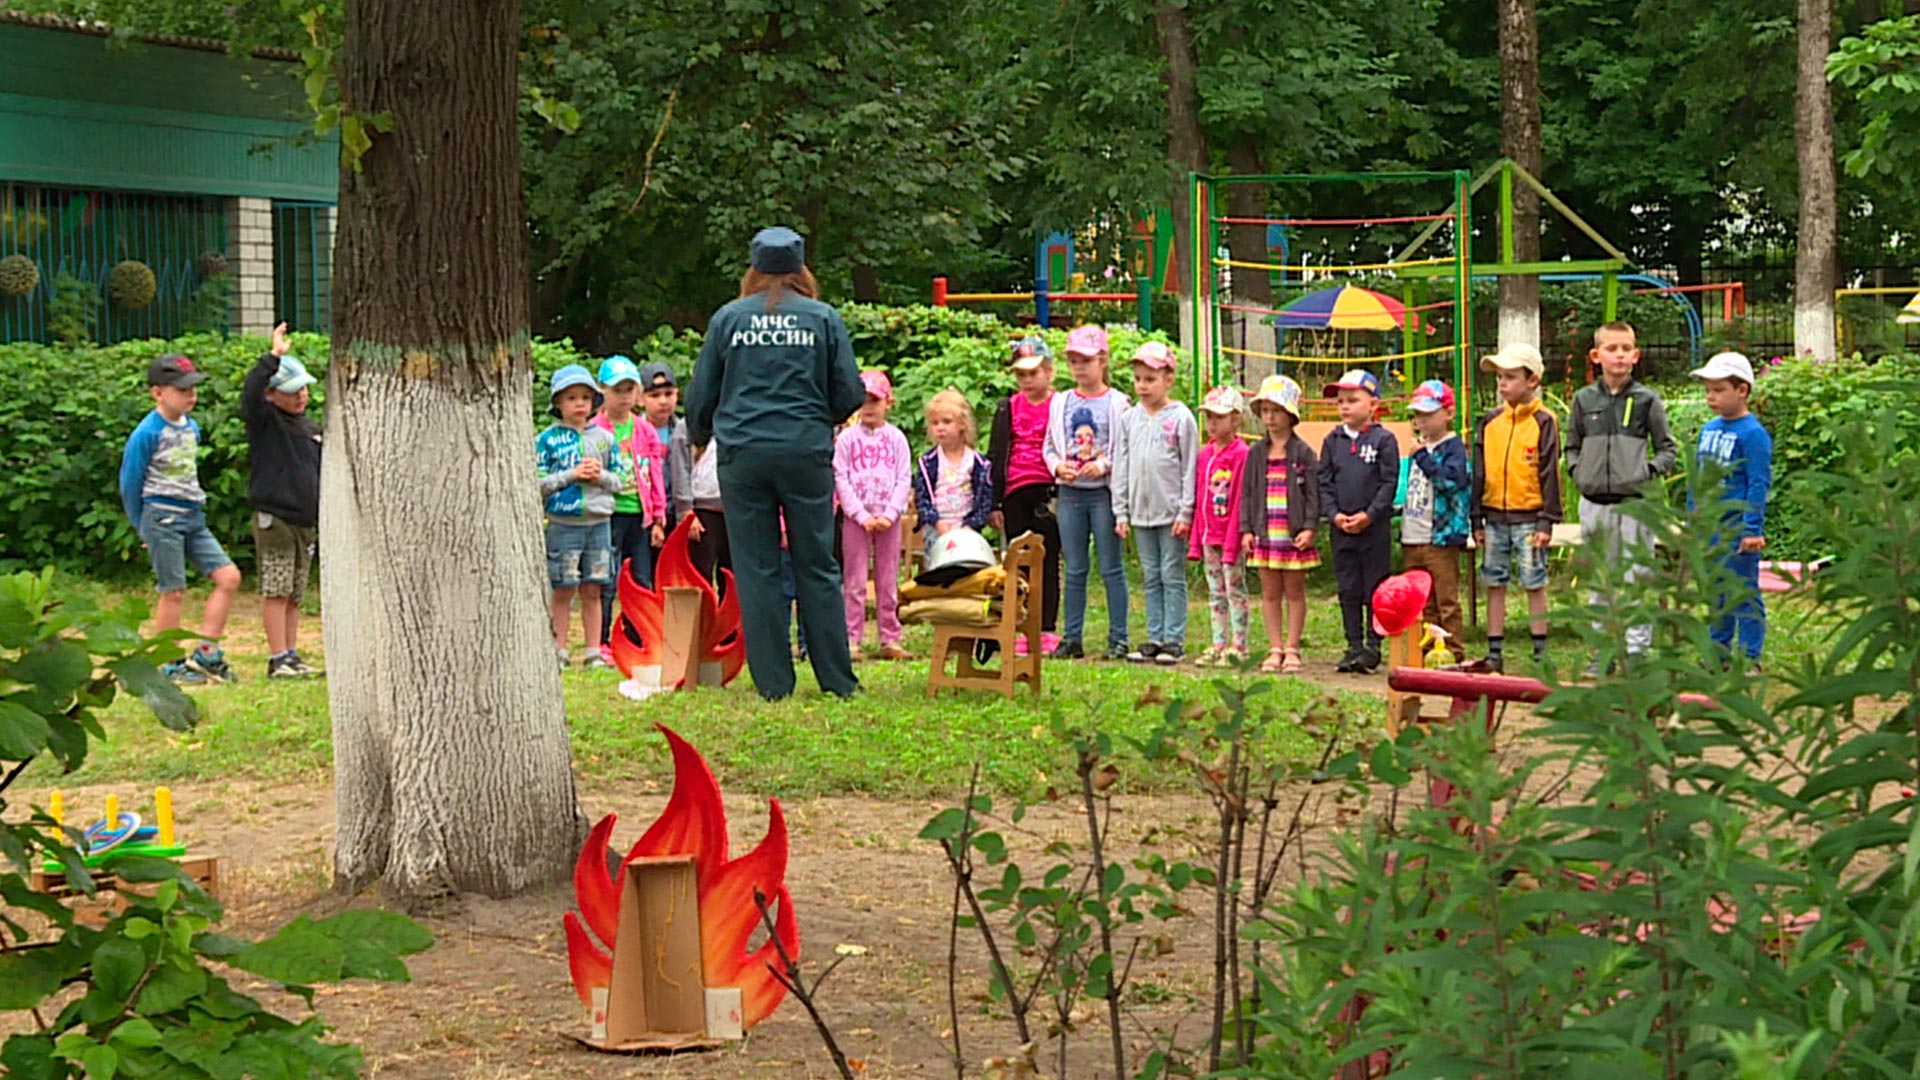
{"x":1617,"y":443}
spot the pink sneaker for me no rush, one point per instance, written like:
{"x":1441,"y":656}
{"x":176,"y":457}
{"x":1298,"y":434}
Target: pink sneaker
{"x":1048,"y":643}
{"x":1020,"y":645}
{"x":606,"y":653}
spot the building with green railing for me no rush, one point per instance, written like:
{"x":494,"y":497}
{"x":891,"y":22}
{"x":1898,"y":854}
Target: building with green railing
{"x":157,"y":185}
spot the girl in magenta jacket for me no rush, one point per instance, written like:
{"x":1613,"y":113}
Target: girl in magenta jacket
{"x":1215,"y":536}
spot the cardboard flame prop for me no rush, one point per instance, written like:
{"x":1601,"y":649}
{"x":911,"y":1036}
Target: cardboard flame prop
{"x":694,"y":823}
{"x":665,"y":637}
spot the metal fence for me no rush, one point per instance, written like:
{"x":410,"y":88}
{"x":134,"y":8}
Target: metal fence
{"x":77,"y":237}
{"x":303,"y":264}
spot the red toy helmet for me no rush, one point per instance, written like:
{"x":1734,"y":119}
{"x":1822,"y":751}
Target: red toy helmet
{"x":1399,"y":600}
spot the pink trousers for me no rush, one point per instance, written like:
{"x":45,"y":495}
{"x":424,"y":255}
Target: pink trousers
{"x":860,"y":549}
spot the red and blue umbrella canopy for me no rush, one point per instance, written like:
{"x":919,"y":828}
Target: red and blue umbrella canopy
{"x":1343,"y":307}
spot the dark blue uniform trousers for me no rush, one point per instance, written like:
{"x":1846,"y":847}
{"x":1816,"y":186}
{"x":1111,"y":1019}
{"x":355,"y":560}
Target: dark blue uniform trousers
{"x":757,"y":486}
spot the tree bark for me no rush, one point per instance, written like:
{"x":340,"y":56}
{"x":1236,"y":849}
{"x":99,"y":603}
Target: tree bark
{"x":1520,"y":141}
{"x":1186,"y":144}
{"x":451,"y":764}
{"x":1818,"y":240}
{"x":1248,"y":244}
{"x":866,"y":283}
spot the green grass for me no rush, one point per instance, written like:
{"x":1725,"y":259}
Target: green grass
{"x":891,"y":741}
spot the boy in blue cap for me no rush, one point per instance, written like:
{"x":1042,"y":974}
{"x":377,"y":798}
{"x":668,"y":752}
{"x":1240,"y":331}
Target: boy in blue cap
{"x":580,"y":473}
{"x":283,"y":444}
{"x":1359,"y":473}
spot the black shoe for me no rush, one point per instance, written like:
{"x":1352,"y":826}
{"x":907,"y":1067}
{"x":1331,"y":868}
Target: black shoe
{"x":1350,"y":662}
{"x":1068,"y":650}
{"x":984,"y":650}
{"x":1145,"y":653}
{"x":1118,"y":651}
{"x":1169,"y":655}
{"x":1368,"y":661}
{"x":1496,"y":664}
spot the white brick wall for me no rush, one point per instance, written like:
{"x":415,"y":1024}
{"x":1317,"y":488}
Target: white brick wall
{"x":250,"y":246}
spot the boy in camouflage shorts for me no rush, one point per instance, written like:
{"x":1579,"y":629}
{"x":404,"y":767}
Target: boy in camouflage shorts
{"x":284,"y":490}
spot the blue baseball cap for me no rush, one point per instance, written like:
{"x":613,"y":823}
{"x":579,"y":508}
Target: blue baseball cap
{"x":570,"y":376}
{"x":290,"y":377}
{"x":615,"y":370}
{"x":777,"y":250}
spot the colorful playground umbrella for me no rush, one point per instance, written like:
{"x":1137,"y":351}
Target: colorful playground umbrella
{"x":1344,"y":307}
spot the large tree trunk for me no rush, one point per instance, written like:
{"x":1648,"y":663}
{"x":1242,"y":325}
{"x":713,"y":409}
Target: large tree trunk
{"x":451,"y":765}
{"x":1520,"y":140}
{"x":1186,"y":145}
{"x":1818,"y":240}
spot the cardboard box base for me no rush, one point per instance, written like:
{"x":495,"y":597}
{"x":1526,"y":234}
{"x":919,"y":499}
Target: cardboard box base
{"x":661,"y":1044}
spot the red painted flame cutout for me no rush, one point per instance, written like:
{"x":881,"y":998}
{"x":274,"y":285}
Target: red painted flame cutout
{"x":638,"y":630}
{"x":693,"y":823}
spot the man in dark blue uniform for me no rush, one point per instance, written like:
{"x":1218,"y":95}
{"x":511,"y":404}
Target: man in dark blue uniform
{"x":775,"y":379}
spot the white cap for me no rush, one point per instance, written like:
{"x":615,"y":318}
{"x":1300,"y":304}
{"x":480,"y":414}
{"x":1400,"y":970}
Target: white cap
{"x":1516,"y":357}
{"x":1726,"y":365}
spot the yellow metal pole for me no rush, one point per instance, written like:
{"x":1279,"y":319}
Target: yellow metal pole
{"x":163,"y":814}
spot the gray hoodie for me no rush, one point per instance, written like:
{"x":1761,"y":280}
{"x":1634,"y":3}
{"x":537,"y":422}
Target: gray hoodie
{"x":1153,"y":457}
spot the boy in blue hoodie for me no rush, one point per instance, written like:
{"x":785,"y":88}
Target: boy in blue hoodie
{"x":581,"y":470}
{"x":1740,"y":450}
{"x":1435,"y":524}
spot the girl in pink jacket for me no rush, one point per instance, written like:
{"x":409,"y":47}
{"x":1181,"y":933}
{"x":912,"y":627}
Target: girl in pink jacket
{"x":872,"y":481}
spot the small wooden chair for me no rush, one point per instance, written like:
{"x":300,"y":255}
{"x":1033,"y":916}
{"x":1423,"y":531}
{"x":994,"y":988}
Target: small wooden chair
{"x":1022,"y":564}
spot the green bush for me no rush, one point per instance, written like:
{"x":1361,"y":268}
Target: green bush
{"x":1817,"y":412}
{"x":68,"y":412}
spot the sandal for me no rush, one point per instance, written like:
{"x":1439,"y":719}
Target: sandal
{"x":1210,"y":657}
{"x":1273,"y":661}
{"x":1291,"y":664}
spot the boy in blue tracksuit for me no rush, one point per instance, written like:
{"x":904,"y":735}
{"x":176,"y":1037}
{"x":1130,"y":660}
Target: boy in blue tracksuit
{"x":1734,"y":443}
{"x":160,"y":488}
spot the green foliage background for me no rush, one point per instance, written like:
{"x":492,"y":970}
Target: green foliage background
{"x":68,"y":412}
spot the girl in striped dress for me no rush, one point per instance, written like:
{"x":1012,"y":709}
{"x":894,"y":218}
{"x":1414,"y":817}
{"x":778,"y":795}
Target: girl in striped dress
{"x":1279,"y":507}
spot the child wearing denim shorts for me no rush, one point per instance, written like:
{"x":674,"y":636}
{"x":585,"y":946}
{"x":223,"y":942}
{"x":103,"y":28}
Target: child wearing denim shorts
{"x":1516,"y":495}
{"x":160,"y":489}
{"x":580,"y":472}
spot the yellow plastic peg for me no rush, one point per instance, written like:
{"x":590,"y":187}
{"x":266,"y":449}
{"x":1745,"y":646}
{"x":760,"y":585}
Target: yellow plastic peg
{"x":113,"y":812}
{"x":57,"y":808}
{"x":163,"y":814}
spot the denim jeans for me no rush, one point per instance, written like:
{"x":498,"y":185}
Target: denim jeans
{"x":1163,"y":576}
{"x":1086,"y":514}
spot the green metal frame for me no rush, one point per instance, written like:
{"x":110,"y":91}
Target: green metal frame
{"x":1508,"y":171}
{"x":1204,"y":326}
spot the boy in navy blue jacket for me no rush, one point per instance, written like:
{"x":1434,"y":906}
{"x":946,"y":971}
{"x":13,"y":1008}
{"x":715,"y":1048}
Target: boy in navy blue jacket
{"x":1359,"y":471}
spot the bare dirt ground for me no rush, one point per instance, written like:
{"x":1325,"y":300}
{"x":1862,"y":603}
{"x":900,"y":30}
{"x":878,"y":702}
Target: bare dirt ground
{"x":492,"y":999}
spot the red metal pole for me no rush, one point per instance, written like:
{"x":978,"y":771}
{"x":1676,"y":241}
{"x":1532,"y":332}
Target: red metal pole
{"x":940,"y":292}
